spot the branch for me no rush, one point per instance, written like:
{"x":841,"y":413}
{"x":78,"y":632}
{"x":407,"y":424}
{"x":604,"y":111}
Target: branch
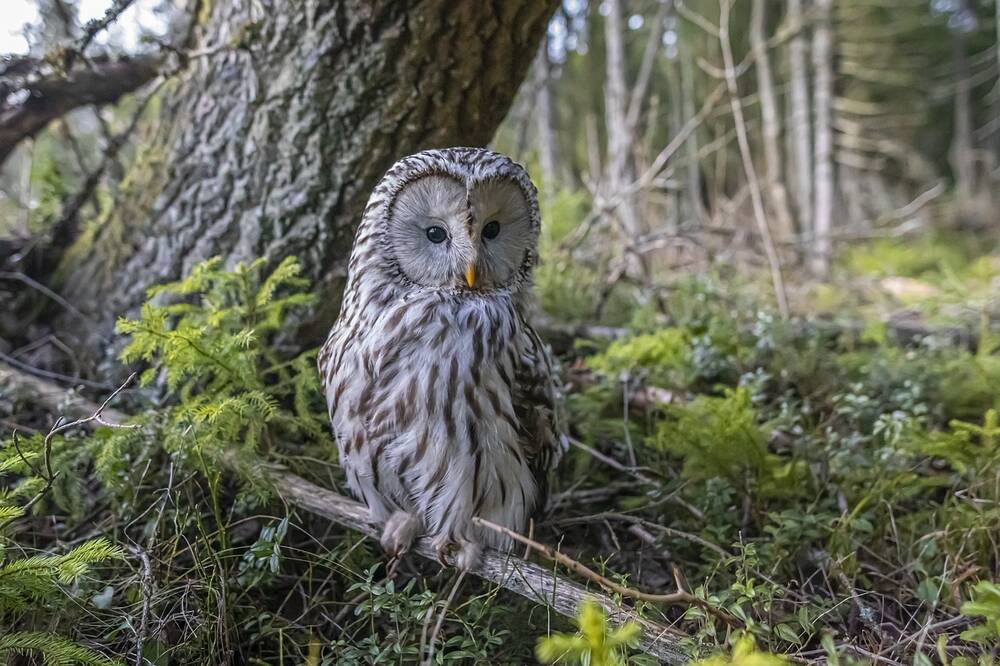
{"x":95,"y":26}
{"x":681,"y":596}
{"x":524,"y":578}
{"x":760,"y":217}
{"x":508,"y":571}
{"x":47,"y":473}
{"x":28,"y":108}
{"x":649,"y":54}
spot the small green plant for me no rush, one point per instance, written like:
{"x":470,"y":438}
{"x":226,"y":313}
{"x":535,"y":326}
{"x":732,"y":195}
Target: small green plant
{"x":744,"y":653}
{"x":596,"y":644}
{"x":985,"y":603}
{"x":721,"y":437}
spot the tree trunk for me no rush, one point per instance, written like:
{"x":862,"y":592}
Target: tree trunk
{"x":621,"y":175}
{"x":774,"y":171}
{"x":271,"y":148}
{"x":548,"y":154}
{"x":800,"y":130}
{"x":962,"y":157}
{"x":823,"y":101}
{"x":692,"y":161}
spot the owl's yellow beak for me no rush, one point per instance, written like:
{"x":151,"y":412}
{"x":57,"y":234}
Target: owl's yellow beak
{"x":470,"y":276}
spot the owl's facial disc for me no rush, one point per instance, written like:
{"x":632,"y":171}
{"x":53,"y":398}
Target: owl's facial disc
{"x":445,"y":235}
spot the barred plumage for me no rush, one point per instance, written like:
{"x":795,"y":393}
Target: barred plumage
{"x":443,"y":400}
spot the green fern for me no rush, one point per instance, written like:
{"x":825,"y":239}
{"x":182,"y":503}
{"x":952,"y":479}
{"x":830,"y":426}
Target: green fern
{"x":719,"y":437}
{"x":56,"y":650}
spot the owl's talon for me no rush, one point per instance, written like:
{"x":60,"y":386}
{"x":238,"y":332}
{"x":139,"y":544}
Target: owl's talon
{"x":399,"y":532}
{"x":441,"y":549}
{"x":463,"y":554}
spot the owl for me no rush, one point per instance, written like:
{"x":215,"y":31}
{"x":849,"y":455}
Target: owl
{"x":443,"y":399}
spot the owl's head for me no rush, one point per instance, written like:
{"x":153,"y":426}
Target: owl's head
{"x":458,"y":218}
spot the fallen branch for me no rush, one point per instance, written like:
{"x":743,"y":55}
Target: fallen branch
{"x":508,"y":571}
{"x":524,"y":578}
{"x":39,"y":99}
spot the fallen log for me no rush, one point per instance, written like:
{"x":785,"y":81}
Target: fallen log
{"x":527,"y":579}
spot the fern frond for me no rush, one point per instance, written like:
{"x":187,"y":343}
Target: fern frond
{"x":56,"y":650}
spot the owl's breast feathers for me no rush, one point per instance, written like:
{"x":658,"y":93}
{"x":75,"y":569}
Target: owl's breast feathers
{"x":446,"y":406}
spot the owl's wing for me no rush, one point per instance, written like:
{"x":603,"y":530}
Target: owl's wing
{"x":538,"y":404}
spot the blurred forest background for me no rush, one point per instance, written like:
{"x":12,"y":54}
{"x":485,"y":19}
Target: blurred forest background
{"x":770,"y":265}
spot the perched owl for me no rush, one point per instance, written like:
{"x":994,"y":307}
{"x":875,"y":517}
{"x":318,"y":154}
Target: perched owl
{"x":442,"y":398}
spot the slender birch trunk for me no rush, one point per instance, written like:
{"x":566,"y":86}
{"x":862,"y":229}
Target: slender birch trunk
{"x":548,"y":155}
{"x":800,"y":126}
{"x":962,"y":162}
{"x":822,"y":55}
{"x":620,"y":174}
{"x":774,"y":170}
{"x":693,"y":186}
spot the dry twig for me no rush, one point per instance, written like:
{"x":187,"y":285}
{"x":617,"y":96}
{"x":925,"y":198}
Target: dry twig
{"x":46,"y":472}
{"x":681,"y":596}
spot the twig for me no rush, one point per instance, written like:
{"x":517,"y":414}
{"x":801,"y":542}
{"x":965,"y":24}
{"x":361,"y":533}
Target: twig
{"x":45,"y":291}
{"x":635,"y":472}
{"x":95,"y":26}
{"x":48,"y":374}
{"x":440,"y":621}
{"x":638,"y":473}
{"x":146,"y":590}
{"x":48,"y":474}
{"x":681,"y":596}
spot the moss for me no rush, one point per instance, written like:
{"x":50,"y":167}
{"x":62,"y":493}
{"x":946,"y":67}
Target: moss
{"x":665,"y":356}
{"x":107,"y":236}
{"x":926,"y":256}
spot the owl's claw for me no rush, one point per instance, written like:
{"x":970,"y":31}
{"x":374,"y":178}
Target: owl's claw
{"x":463,"y":554}
{"x":441,"y":549}
{"x":399,"y":532}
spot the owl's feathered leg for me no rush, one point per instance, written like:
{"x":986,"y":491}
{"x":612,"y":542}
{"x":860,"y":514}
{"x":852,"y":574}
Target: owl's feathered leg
{"x":467,"y":555}
{"x":399,"y":532}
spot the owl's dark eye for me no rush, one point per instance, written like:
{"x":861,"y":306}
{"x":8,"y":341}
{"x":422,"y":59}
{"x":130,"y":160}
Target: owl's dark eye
{"x":491,"y":230}
{"x":436,"y":234}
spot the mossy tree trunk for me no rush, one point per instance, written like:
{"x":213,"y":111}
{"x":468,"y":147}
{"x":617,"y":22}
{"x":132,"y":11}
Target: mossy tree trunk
{"x":273,"y":138}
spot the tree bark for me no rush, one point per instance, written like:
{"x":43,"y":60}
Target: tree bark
{"x":823,"y":101}
{"x":800,"y":130}
{"x":774,"y":170}
{"x":271,"y":148}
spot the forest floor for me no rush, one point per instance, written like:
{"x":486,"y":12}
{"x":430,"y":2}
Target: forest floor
{"x":827,"y":484}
